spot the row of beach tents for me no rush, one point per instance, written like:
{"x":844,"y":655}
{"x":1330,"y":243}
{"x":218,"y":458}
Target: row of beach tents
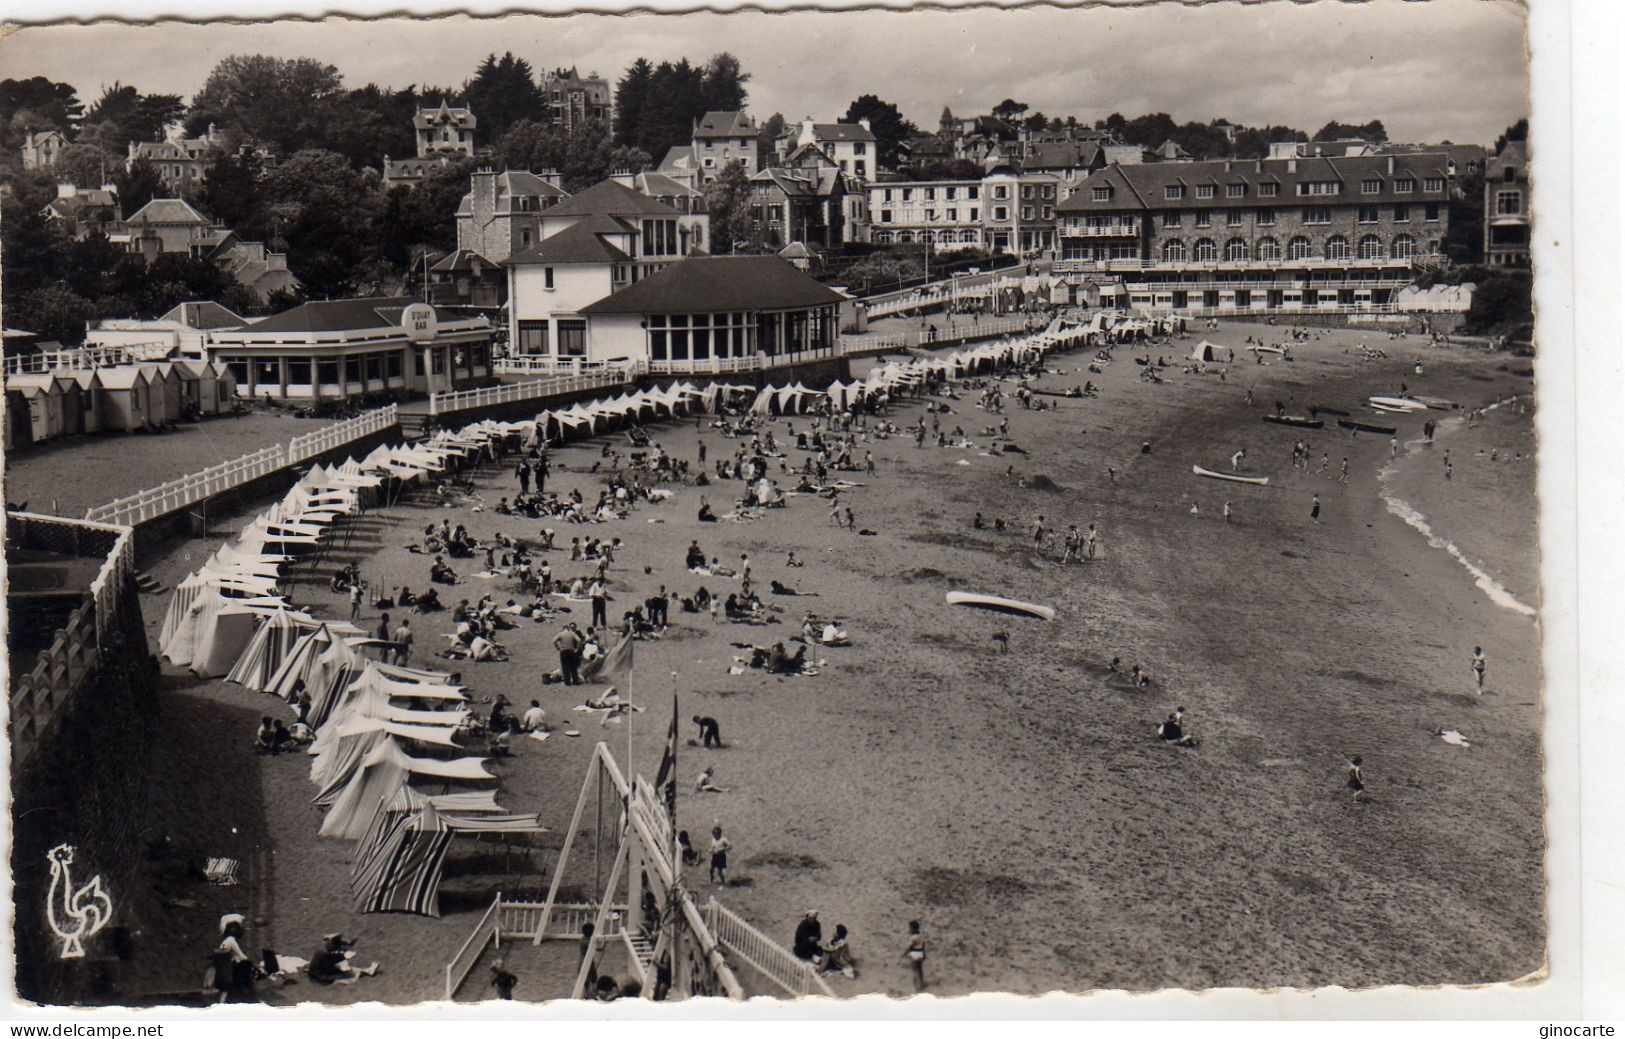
{"x":117,"y":399}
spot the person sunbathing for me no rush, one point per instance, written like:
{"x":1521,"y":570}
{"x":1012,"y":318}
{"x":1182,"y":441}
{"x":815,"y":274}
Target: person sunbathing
{"x":1172,"y":732}
{"x":705,"y":783}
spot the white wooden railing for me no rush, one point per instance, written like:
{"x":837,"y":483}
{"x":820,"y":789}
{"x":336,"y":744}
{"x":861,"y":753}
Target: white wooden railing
{"x":485,"y":932}
{"x":796,"y":977}
{"x":309,"y":445}
{"x":509,"y":392}
{"x":187,"y":490}
{"x":550,"y":365}
{"x":80,"y":358}
{"x":871,"y":344}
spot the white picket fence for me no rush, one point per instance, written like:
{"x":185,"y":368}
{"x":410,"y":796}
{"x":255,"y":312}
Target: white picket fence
{"x":509,"y":392}
{"x":549,"y":365}
{"x":309,"y":445}
{"x":224,"y":476}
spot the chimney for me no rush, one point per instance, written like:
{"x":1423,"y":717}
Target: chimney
{"x":623,"y":176}
{"x":65,"y":190}
{"x":864,"y":122}
{"x":1390,"y":165}
{"x":551,"y":176}
{"x":1258,"y":165}
{"x":1292,"y":165}
{"x":1227,"y":165}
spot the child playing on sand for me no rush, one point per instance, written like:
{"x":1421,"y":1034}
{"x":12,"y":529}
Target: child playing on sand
{"x":1355,"y":781}
{"x":915,"y":954}
{"x":720,"y":846}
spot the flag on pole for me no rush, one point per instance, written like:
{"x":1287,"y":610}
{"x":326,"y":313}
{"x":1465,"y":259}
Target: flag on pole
{"x":614,"y":667}
{"x":666,"y":778}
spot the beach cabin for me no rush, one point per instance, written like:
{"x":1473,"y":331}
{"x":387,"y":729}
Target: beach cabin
{"x":190,"y":386}
{"x":125,"y":404}
{"x":43,"y":399}
{"x":203,"y":385}
{"x":166,"y":392}
{"x":73,"y":402}
{"x":225,"y":386}
{"x":89,"y":419}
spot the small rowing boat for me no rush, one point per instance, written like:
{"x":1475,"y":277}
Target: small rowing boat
{"x":999,"y":604}
{"x":1396,"y":404}
{"x":1296,"y":420}
{"x":1214,"y":474}
{"x":1321,"y":409}
{"x":1367,"y":427}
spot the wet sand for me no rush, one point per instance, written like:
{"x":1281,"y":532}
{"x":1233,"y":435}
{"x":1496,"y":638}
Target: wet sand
{"x":1018,"y":803}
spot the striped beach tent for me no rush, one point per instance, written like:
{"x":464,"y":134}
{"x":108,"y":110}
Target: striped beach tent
{"x":405,"y":854}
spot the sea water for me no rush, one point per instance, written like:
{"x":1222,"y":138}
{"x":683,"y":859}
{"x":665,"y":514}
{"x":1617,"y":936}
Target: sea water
{"x":1493,"y":589}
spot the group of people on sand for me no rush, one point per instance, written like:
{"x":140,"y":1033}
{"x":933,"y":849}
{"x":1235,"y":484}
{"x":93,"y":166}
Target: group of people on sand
{"x":234,"y":975}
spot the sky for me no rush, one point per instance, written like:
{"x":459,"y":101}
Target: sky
{"x":1439,"y":70}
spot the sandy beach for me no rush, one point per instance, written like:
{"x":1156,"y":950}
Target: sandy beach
{"x":1016,"y":803}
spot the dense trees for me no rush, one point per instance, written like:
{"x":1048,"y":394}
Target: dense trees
{"x":582,"y":156}
{"x":1336,"y":131}
{"x":37,"y":103}
{"x":123,"y":114}
{"x":727,"y":199}
{"x":656,"y":106}
{"x":885,"y":122}
{"x":503,"y":92}
{"x":285,"y":103}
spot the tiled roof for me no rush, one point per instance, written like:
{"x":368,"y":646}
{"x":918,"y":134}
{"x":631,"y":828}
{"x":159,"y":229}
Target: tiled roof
{"x":841,"y":132}
{"x":725,"y":124}
{"x":427,"y":117}
{"x":1061,"y":155}
{"x":1144,"y":186}
{"x":203,"y":315}
{"x":462,"y":260}
{"x":611,"y":199}
{"x":167,"y":211}
{"x":341,"y":315}
{"x":711,"y":283}
{"x":658,"y":185}
{"x":579,"y":243}
{"x":678,"y":157}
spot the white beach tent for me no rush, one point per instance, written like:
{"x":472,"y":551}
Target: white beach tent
{"x":385,"y":770}
{"x":273,"y":640}
{"x":1206,"y":351}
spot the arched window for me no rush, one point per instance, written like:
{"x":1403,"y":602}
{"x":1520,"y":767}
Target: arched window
{"x":1298,"y":248}
{"x":1337,"y":247}
{"x":882,"y":237}
{"x":1235,"y":250}
{"x":1267,"y":249}
{"x":1206,"y":251}
{"x":1173,"y":251}
{"x":1403,"y":247}
{"x":1370,"y":247}
{"x":905,"y":237}
{"x":968,"y":236}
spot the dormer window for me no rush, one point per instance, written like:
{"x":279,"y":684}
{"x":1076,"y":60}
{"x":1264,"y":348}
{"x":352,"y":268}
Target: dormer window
{"x":1173,"y":191}
{"x":1370,"y":187}
{"x":1235,"y":191}
{"x":1204,"y":191}
{"x":1101,"y":194}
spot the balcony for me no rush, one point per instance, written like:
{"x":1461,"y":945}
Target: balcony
{"x":1106,"y":231}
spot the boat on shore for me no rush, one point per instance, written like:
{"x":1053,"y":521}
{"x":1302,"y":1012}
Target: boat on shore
{"x":1367,"y":427}
{"x":1214,"y":474}
{"x":1296,"y":420}
{"x":999,"y":604}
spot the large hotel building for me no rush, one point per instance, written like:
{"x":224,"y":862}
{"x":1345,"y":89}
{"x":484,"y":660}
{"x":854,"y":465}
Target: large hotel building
{"x":1256,"y":235}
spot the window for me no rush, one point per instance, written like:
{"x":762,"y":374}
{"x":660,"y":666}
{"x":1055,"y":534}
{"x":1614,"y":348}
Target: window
{"x":1235,"y":191}
{"x":1047,"y":191}
{"x":1298,"y":248}
{"x":1370,"y":187}
{"x":1405,"y":185}
{"x":888,"y":195}
{"x":1433,"y":185}
{"x":1026,"y":191}
{"x":1266,"y":218}
{"x":352,"y":369}
{"x":1371,"y":247}
{"x":1432,"y":212}
{"x":1317,"y":215}
{"x":885,"y":216}
{"x":1048,"y":213}
{"x":908,"y":194}
{"x":1000,"y":213}
{"x":972,"y":192}
{"x":930,"y":194}
{"x":1403,"y":247}
{"x":1337,"y":247}
{"x":1204,"y":218}
{"x":948,"y":193}
{"x":1170,"y":218}
{"x":1235,"y":250}
{"x":1026,"y":212}
{"x":1402,"y":214}
{"x":1103,"y":194}
{"x":953,"y":216}
{"x":394,"y":364}
{"x":1508,"y":203}
{"x":860,"y":147}
{"x":532,"y":337}
{"x":1204,"y":191}
{"x":1173,"y":251}
{"x":1267,"y":249}
{"x":1269,"y":190}
{"x":1233,"y":217}
{"x":547,"y":277}
{"x":1320,"y":187}
{"x":1369,"y":215}
{"x":1173,"y":191}
{"x":1509,"y":174}
{"x":572,"y":338}
{"x":298,"y":371}
{"x":1001,"y":191}
{"x":1206,"y":251}
{"x":972,"y":217}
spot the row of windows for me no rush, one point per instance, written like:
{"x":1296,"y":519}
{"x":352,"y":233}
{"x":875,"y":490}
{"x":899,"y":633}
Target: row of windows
{"x":534,"y":338}
{"x":1369,"y":247}
{"x":950,"y":192}
{"x":1401,"y":214}
{"x":1370,"y":186}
